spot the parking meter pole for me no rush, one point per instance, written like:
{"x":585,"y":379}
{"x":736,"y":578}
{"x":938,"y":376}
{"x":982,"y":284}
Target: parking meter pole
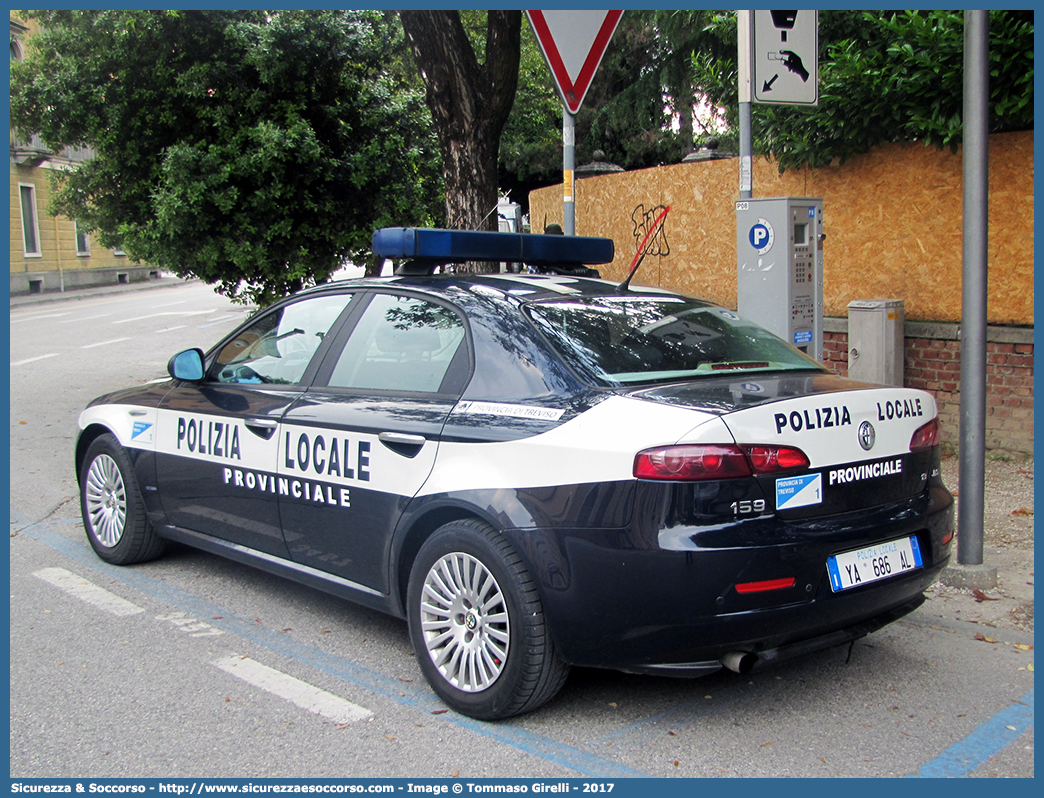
{"x":971,"y":500}
{"x":568,"y":165}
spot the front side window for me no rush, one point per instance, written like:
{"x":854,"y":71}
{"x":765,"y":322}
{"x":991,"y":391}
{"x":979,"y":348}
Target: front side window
{"x":30,"y":229}
{"x":277,"y":348}
{"x":400,"y":344}
{"x":632,"y":340}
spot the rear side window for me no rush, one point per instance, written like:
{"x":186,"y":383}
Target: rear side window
{"x":277,"y":348}
{"x":632,"y":340}
{"x":400,"y":344}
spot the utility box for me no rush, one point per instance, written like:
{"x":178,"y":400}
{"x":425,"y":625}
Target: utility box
{"x":509,"y":216}
{"x":876,"y":348}
{"x":779,"y":278}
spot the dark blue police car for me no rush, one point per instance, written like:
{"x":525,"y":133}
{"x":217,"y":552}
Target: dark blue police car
{"x":537,"y":470}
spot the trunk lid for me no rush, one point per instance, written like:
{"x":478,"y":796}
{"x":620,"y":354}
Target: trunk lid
{"x":856,"y":436}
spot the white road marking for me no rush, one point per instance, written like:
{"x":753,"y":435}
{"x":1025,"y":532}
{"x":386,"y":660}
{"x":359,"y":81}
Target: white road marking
{"x":104,"y":343}
{"x":80,"y":588}
{"x":33,"y":359}
{"x":168,"y":313}
{"x":35,"y":316}
{"x":301,"y":694}
{"x":221,"y":320}
{"x":168,"y":329}
{"x":85,"y":318}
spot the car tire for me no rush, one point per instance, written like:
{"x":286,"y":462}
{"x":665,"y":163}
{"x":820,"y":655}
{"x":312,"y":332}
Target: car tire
{"x":112,"y":508}
{"x":477,"y":624}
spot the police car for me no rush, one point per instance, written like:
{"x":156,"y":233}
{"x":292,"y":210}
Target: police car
{"x":536,"y":469}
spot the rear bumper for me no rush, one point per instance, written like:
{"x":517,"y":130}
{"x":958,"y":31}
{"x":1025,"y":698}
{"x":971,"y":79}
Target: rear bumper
{"x":620,"y":599}
{"x":745,"y":661}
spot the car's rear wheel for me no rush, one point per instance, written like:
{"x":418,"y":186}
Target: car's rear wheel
{"x":113,"y":511}
{"x":478,"y":626}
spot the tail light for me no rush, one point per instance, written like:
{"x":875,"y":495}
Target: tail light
{"x":926,"y":437}
{"x":771,"y":459}
{"x":690,"y":462}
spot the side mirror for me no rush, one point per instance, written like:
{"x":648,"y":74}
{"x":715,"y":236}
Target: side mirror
{"x":187,"y":365}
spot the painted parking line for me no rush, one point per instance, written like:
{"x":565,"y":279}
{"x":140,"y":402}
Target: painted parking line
{"x":533,"y":743}
{"x":987,"y":740}
{"x":289,"y":688}
{"x":297,"y":692}
{"x":80,"y":588}
{"x":33,"y":359}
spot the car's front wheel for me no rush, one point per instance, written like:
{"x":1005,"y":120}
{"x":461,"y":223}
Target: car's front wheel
{"x":478,"y":626}
{"x":113,"y":511}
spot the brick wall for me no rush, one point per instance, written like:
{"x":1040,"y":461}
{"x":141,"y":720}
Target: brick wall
{"x":933,"y":363}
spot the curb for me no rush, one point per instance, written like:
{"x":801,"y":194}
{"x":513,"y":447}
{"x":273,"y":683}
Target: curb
{"x":21,"y":300}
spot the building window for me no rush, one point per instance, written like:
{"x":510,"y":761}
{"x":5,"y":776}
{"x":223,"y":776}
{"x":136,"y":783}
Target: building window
{"x":30,"y":229}
{"x":83,"y":243}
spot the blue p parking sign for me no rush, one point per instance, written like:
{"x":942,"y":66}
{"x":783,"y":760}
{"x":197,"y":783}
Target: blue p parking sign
{"x":761,"y":236}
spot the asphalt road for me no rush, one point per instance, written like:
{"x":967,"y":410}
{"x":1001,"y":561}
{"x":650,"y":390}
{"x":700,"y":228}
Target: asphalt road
{"x":193,"y":666}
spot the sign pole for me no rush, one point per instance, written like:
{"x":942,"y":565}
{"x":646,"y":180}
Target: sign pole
{"x":746,"y":144}
{"x":568,"y":167}
{"x":573,"y":43}
{"x":971,"y":500}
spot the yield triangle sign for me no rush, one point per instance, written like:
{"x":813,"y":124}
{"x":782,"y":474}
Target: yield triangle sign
{"x":573,"y":43}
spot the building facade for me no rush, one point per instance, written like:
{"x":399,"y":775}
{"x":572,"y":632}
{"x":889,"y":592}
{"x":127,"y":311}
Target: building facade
{"x":53,"y":253}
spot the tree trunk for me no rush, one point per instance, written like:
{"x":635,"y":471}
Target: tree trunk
{"x":469,"y":102}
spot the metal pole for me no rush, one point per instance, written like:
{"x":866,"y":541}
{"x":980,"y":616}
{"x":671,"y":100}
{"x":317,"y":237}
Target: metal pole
{"x":746,"y":146}
{"x":568,"y":165}
{"x":971,"y":500}
{"x":744,"y":69}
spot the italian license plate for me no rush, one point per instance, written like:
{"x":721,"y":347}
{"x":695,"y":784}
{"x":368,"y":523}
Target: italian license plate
{"x":854,"y":568}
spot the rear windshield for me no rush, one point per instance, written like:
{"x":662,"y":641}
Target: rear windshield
{"x":631,"y":340}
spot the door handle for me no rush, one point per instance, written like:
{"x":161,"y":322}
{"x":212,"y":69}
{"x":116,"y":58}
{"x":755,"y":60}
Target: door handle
{"x":262,"y":427}
{"x":402,"y":443}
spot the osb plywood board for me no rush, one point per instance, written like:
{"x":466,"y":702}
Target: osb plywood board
{"x":892,"y":220}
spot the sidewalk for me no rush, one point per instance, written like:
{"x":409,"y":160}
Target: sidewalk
{"x":87,"y":293}
{"x":1007,"y":546}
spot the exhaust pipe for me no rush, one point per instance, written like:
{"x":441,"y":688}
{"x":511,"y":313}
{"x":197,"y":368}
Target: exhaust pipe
{"x":739,"y":661}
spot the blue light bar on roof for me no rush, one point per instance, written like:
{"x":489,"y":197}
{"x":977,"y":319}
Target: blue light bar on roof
{"x":453,"y":246}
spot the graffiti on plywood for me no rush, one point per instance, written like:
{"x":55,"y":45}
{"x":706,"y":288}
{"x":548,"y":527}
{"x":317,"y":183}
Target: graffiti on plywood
{"x":645,"y":220}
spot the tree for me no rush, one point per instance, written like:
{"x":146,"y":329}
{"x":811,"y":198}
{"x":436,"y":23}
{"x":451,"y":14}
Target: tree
{"x":531,"y":142}
{"x":470,"y":96}
{"x":639,"y":110}
{"x":255,"y":150}
{"x":884,"y":77}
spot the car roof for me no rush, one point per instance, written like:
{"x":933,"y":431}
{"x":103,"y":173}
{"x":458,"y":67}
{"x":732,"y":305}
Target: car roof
{"x":523,"y":288}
